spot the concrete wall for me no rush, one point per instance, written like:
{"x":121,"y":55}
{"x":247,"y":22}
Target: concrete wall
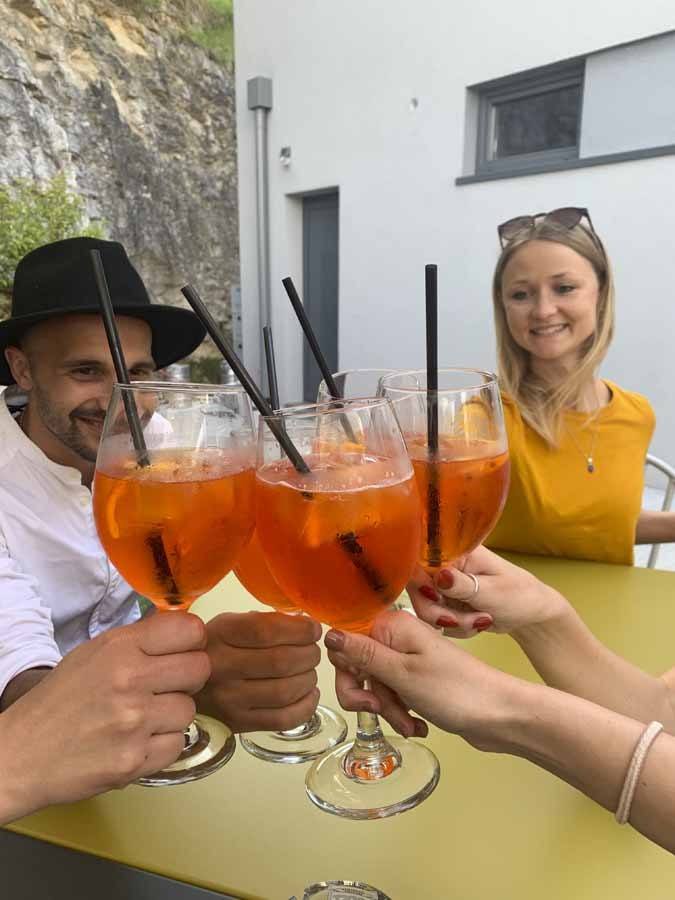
{"x":344,"y":77}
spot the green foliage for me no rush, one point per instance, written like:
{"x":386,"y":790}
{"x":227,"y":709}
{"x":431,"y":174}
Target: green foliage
{"x":207,"y":23}
{"x":32,"y":215}
{"x":216,"y":35}
{"x":205,"y":369}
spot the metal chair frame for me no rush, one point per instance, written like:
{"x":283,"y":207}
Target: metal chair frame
{"x":669,"y":472}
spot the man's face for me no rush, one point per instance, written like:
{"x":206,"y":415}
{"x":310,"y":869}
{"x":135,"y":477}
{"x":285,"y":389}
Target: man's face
{"x":66,"y":367}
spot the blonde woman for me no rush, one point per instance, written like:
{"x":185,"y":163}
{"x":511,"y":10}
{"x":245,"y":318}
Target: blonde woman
{"x":578,"y":442}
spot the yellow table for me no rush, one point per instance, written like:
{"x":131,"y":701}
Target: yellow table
{"x":496,"y":827}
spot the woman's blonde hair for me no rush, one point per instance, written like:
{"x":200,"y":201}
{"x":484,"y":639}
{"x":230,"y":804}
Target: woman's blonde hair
{"x":540,"y":405}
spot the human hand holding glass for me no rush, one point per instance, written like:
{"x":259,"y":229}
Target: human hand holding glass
{"x":326,"y":728}
{"x":341,"y":540}
{"x":174,"y":516}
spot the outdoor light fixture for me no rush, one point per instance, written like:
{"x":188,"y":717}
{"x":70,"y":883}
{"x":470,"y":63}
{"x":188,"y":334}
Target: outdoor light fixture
{"x":285,"y":156}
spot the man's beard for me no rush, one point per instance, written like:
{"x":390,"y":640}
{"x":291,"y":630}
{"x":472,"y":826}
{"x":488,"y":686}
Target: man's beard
{"x":64,"y":426}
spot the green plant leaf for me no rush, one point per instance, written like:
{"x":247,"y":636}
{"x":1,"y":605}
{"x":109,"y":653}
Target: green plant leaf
{"x":33,"y":214}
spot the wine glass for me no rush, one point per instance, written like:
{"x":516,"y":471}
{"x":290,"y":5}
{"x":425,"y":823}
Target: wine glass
{"x":174,"y":508}
{"x":463,"y":476}
{"x":341,"y":537}
{"x":341,"y":890}
{"x":354,"y":383}
{"x":326,"y":728}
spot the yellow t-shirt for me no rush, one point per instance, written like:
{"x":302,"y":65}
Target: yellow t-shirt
{"x":556,"y":507}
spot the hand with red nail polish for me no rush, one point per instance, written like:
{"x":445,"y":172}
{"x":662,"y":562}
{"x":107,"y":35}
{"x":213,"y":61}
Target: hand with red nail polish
{"x":484,"y":591}
{"x":434,"y":604}
{"x":412,"y":668}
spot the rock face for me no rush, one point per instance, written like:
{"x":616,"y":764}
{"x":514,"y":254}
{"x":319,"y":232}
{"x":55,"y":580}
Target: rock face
{"x":142,"y":121}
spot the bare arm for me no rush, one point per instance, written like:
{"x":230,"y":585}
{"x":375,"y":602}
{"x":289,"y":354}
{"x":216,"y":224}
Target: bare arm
{"x":590,"y":748}
{"x":562,"y":649}
{"x":580,"y":742}
{"x":569,"y":657}
{"x":655,"y":527}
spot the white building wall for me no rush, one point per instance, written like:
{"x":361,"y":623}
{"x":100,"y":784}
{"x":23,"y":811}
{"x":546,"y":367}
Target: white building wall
{"x":344,"y":75}
{"x":642,"y":77}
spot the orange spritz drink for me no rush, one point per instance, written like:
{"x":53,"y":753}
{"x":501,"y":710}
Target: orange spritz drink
{"x":468,"y":481}
{"x":358,"y":528}
{"x":461,"y":462}
{"x":340,"y":529}
{"x":254,"y":573}
{"x":174,"y":506}
{"x":176,"y":526}
{"x":326,"y":728}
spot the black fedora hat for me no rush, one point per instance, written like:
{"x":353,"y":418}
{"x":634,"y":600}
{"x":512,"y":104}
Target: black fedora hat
{"x":58,"y":279}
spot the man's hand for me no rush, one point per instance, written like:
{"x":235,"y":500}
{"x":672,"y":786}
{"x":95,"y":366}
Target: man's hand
{"x":263,"y":670}
{"x":113,"y":710}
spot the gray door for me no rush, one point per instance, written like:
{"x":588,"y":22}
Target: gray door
{"x":320,"y":291}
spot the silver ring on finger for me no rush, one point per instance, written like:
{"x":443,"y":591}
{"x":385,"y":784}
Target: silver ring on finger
{"x":476,"y":584}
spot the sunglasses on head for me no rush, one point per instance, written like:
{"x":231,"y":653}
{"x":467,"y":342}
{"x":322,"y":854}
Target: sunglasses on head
{"x":566,"y":216}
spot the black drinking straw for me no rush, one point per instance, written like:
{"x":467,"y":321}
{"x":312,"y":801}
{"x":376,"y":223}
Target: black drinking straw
{"x":348,"y":542}
{"x":118,"y":357}
{"x":306,"y":326}
{"x":245,"y":379}
{"x":154,"y":540}
{"x":272,"y":382}
{"x":433,"y":494}
{"x":321,"y":361}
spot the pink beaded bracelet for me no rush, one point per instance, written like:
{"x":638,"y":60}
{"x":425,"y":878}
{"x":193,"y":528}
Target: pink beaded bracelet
{"x":650,"y":733}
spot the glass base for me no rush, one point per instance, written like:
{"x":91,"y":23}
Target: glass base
{"x":212,"y":745}
{"x":352,"y":789}
{"x":342,"y":890}
{"x":324,"y":730}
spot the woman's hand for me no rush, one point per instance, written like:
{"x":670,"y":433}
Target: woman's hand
{"x":411,"y":666}
{"x":508,"y":598}
{"x":585,"y":744}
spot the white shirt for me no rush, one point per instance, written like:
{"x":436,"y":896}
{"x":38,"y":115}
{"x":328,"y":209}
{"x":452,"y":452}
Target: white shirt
{"x":57,"y":587}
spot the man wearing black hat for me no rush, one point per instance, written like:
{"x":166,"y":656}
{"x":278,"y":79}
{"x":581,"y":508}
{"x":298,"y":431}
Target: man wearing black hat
{"x":57,"y":587}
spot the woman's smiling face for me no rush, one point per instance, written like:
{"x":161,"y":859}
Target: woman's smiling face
{"x":550,"y":296}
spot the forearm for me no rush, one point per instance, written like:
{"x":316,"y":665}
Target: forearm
{"x":20,"y":685}
{"x":590,"y":748}
{"x":569,"y":657}
{"x":20,"y":781}
{"x":655,"y":527}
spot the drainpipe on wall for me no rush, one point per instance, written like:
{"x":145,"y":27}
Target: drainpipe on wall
{"x":260,"y":101}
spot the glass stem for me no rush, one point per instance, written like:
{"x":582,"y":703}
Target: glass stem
{"x":368,"y":729}
{"x":371,"y":756}
{"x":306,"y":730}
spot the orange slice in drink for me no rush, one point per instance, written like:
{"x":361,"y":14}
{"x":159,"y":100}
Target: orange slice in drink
{"x":110,"y":510}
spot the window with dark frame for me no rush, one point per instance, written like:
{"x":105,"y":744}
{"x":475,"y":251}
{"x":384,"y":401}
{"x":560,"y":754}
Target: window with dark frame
{"x":530,"y":118}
